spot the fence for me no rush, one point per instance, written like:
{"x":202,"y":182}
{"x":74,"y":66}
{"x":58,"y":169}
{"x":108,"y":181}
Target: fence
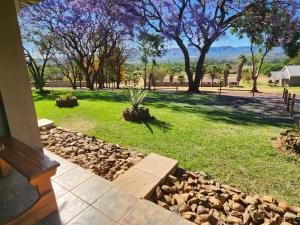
{"x":289,"y":101}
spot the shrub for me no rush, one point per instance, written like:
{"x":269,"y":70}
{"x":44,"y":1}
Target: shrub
{"x":66,"y":100}
{"x":137,"y":112}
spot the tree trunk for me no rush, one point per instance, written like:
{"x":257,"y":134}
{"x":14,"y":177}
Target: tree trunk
{"x":254,"y":85}
{"x":145,"y":77}
{"x":73,"y":83}
{"x":225,"y":77}
{"x":149,"y":82}
{"x":199,"y":68}
{"x":118,"y":77}
{"x":239,"y":73}
{"x":187,"y":65}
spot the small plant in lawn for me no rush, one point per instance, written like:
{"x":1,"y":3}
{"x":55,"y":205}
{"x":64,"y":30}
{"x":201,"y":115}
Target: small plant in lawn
{"x":66,"y":100}
{"x":137,"y":112}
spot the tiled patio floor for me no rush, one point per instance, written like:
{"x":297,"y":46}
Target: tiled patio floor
{"x":83,"y":198}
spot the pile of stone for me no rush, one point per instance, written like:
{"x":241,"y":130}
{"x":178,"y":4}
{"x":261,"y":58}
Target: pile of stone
{"x":205,"y":201}
{"x":106,"y":160}
{"x":289,"y":140}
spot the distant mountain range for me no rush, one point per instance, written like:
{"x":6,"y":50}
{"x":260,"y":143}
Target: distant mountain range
{"x":216,"y":53}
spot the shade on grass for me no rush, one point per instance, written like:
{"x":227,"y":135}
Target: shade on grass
{"x":229,"y":138}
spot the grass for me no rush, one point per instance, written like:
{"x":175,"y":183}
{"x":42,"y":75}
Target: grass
{"x":225,"y":137}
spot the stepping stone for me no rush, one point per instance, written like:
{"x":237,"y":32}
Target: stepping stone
{"x":158,"y":166}
{"x":45,"y":123}
{"x":142,"y":179}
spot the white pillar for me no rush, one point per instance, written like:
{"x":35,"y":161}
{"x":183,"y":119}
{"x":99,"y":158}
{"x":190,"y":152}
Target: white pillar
{"x":14,"y":80}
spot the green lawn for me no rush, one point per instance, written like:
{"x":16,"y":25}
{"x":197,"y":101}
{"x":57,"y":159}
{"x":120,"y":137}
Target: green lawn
{"x":231,"y":142}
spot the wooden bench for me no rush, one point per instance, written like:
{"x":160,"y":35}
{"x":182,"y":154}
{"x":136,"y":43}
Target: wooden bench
{"x":38,"y":169}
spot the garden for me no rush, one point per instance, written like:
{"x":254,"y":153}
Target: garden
{"x":227,"y":137}
{"x":145,"y":79}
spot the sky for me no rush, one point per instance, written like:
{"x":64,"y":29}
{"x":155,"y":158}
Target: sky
{"x":232,"y":40}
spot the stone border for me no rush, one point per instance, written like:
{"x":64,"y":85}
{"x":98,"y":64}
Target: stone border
{"x":104,"y":159}
{"x":205,"y":201}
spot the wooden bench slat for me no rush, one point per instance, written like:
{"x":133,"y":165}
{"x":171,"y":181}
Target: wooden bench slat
{"x":38,"y":158}
{"x":21,"y":164}
{"x":27,"y":161}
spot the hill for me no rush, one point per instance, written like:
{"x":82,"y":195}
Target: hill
{"x":216,"y":53}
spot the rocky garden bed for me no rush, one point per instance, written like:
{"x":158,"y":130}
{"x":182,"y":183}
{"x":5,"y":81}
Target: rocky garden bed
{"x":104,"y":159}
{"x":289,"y":141}
{"x":205,"y":201}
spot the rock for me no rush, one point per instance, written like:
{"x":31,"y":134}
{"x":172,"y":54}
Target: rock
{"x":194,"y":207}
{"x":206,"y":223}
{"x":167,"y":199}
{"x":172,"y":179}
{"x":283,"y":205}
{"x":276,"y":220}
{"x":238,"y":207}
{"x":226,"y":207}
{"x":276,"y":208}
{"x":188,"y":215}
{"x":258,"y":217}
{"x":163,"y":204}
{"x":236,"y":214}
{"x":250,"y":208}
{"x":206,"y":218}
{"x":215,"y":203}
{"x":187,"y":196}
{"x":251,"y":200}
{"x":268,"y":199}
{"x":182,"y":206}
{"x":289,"y":217}
{"x":158,"y":193}
{"x":234,"y":220}
{"x":246,"y":218}
{"x":167,"y":189}
{"x":294,"y":209}
{"x":202,"y":210}
{"x":194,"y":200}
{"x":236,"y":198}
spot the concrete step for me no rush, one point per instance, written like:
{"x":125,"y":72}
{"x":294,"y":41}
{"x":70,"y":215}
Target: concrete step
{"x":45,"y":123}
{"x":142,"y":179}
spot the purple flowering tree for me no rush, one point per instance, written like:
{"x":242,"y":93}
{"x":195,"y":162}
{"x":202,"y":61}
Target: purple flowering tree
{"x":193,"y":23}
{"x":83,"y":34}
{"x":189,"y":23}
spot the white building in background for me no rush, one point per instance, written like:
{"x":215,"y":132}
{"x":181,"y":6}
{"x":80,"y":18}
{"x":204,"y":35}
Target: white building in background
{"x":288,"y":76}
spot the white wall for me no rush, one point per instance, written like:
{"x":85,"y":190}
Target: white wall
{"x":14,"y":80}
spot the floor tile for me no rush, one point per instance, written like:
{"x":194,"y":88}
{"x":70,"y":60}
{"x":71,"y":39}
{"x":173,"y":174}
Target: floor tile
{"x":92,"y":189}
{"x":146,"y":213}
{"x":73,"y":178}
{"x":137,"y":182}
{"x":64,"y":168}
{"x":58,"y":190}
{"x":115,"y":203}
{"x":178,"y":220}
{"x":92,"y":216}
{"x":157,"y":165}
{"x":69,"y":206}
